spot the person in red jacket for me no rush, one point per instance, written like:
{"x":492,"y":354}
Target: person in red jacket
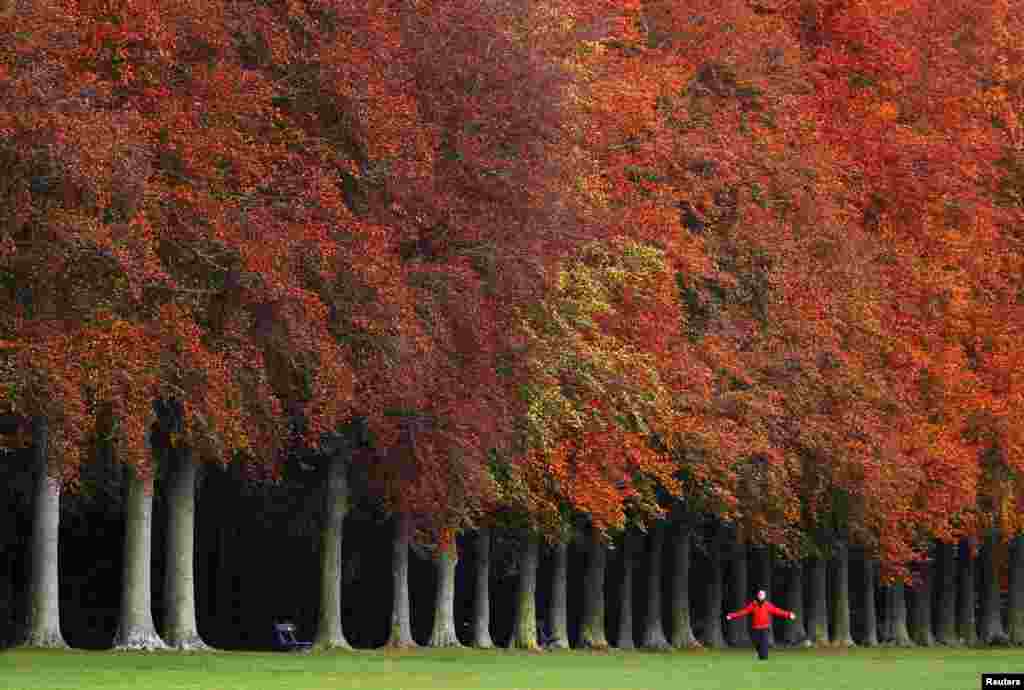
{"x":762,"y":611}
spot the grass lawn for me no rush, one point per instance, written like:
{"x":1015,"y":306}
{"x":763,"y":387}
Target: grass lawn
{"x":859,"y":669}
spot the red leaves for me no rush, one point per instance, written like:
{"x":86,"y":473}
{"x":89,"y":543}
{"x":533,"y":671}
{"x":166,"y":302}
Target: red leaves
{"x":344,"y":209}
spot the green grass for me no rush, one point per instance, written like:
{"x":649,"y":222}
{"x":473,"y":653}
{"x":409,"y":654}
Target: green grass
{"x":860,"y":669}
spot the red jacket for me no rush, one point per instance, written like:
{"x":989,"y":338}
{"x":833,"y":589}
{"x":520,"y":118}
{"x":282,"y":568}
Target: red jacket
{"x":762,"y":613}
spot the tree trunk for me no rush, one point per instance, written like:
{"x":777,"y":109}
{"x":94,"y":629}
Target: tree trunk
{"x":524,"y":635}
{"x":329,"y":633}
{"x":629,"y":549}
{"x":482,"y":604}
{"x":135,"y":630}
{"x":897,"y":605}
{"x":1015,"y":618}
{"x":713,"y":634}
{"x":6,"y":600}
{"x":401,"y":623}
{"x":738,"y":630}
{"x":443,"y":634}
{"x":945,"y":626}
{"x":992,"y":632}
{"x":818,"y":624}
{"x":841,"y":633}
{"x":181,"y":631}
{"x":682,"y":630}
{"x":966,"y":599}
{"x":921,"y":616}
{"x":654,"y":630}
{"x":870,"y":638}
{"x":796,"y":631}
{"x":42,"y":627}
{"x":762,"y":579}
{"x":592,"y":632}
{"x":559,"y":598}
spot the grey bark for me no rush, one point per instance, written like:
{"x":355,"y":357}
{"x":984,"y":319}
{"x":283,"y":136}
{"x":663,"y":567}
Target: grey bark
{"x":558,"y":606}
{"x":817,"y":573}
{"x":796,"y":631}
{"x":329,"y":632}
{"x":921,"y":615}
{"x":841,"y":633}
{"x":135,"y":630}
{"x":966,"y":597}
{"x":945,"y":625}
{"x":654,"y":629}
{"x":682,"y":629}
{"x":870,"y":578}
{"x":524,"y":633}
{"x":7,"y":603}
{"x":482,"y":603}
{"x":625,"y":638}
{"x":762,"y":579}
{"x":42,"y":627}
{"x":1015,"y":615}
{"x":401,"y":622}
{"x":180,"y":629}
{"x":713,"y":633}
{"x":738,"y":630}
{"x":992,"y":631}
{"x":443,"y":633}
{"x":592,"y":628}
{"x":897,"y":615}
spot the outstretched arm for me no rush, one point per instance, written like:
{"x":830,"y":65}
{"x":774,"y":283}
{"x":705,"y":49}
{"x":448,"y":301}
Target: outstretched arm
{"x":776,"y":611}
{"x":742,"y":612}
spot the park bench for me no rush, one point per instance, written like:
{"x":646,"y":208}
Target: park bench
{"x":284,"y":638}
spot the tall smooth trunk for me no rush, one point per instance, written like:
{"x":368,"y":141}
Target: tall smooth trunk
{"x":558,"y":607}
{"x":524,"y":634}
{"x":966,"y":597}
{"x":482,"y":602}
{"x":42,"y":627}
{"x":992,"y":631}
{"x":401,"y":621}
{"x":841,"y":633}
{"x":682,"y":628}
{"x":921,"y":615}
{"x":181,"y":631}
{"x":945,"y":624}
{"x":738,"y":630}
{"x":629,"y":549}
{"x":713,"y":634}
{"x":796,"y":631}
{"x":592,"y":628}
{"x":897,"y":605}
{"x":654,"y":628}
{"x":818,"y":624}
{"x":7,"y":604}
{"x":443,"y":633}
{"x":870,"y":579}
{"x":135,"y":630}
{"x":329,"y":632}
{"x":1015,"y":617}
{"x":762,"y":579}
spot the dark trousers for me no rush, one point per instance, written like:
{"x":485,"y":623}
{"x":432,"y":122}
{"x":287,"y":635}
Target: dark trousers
{"x":761,"y":642}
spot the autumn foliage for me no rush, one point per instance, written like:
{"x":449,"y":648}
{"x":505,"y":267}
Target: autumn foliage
{"x":570,"y":258}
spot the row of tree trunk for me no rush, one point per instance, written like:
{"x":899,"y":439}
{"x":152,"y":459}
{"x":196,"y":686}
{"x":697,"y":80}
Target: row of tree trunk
{"x":904,"y":620}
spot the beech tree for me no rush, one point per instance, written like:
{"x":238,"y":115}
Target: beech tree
{"x":682,"y":635}
{"x":654,"y":629}
{"x":628,"y":555}
{"x":592,"y":625}
{"x":482,"y":591}
{"x":524,"y":633}
{"x":43,"y":625}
